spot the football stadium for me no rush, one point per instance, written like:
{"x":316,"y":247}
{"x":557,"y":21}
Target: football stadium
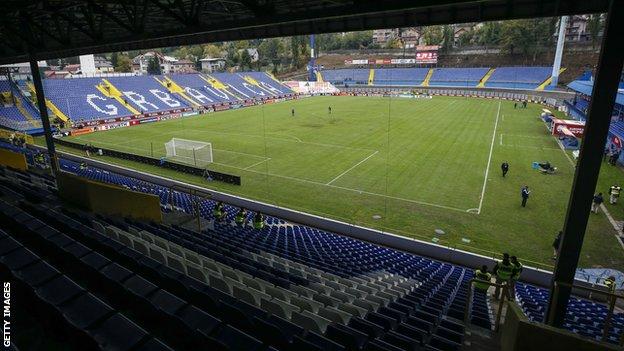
{"x":270,"y":175}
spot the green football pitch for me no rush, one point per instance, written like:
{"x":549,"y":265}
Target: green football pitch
{"x":406,"y":166}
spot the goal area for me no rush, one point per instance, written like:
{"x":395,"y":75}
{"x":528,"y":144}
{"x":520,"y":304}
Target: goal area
{"x":196,"y":153}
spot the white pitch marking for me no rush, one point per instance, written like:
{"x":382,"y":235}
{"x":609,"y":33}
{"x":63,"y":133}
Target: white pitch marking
{"x":273,"y":138}
{"x":344,"y":188}
{"x":357,"y":164}
{"x":501,"y":140}
{"x":487,"y":169}
{"x":240,"y":153}
{"x":257,"y":163}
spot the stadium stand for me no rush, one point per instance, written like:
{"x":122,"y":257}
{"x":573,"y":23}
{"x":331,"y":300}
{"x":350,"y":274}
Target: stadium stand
{"x":201,"y":90}
{"x":96,"y":99}
{"x":461,"y":77}
{"x":518,"y":77}
{"x":146,"y":94}
{"x":347,"y":76}
{"x":528,"y":78}
{"x":10,"y":114}
{"x":287,"y":286}
{"x":242,"y":87}
{"x":399,"y":76}
{"x":80,"y":100}
{"x":583,"y":317}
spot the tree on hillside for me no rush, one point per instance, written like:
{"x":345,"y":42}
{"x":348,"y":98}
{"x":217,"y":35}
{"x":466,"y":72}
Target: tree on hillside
{"x":466,"y":38}
{"x":232,"y":58}
{"x":594,"y":26}
{"x":394,"y":43}
{"x":211,"y":50}
{"x":433,"y":35}
{"x":357,"y":40}
{"x":153,"y":67}
{"x":114,"y":59}
{"x":529,"y":36}
{"x":245,"y":60}
{"x":124,"y":64}
{"x":489,"y":34}
{"x":448,"y":37}
{"x":271,"y":51}
{"x":297,"y":50}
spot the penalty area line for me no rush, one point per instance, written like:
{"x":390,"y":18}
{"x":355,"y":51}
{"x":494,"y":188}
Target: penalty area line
{"x":357,"y":164}
{"x":257,"y":163}
{"x":346,"y":188}
{"x":487,"y":168}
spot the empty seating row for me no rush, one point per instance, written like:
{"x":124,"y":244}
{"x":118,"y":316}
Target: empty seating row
{"x":393,"y":323}
{"x":583,"y":316}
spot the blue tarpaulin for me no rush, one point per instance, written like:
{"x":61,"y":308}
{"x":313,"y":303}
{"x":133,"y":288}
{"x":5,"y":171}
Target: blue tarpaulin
{"x":586,"y":88}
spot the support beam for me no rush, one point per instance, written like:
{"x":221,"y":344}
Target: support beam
{"x":43,"y":111}
{"x":590,"y":160}
{"x":563,"y":23}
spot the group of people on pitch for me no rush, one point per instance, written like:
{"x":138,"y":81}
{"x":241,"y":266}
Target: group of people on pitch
{"x":506,"y":271}
{"x":220,"y":214}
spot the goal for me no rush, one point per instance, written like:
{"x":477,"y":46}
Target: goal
{"x":191,"y":152}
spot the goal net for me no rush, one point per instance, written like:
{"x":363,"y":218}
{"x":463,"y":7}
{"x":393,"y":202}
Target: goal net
{"x":191,"y":152}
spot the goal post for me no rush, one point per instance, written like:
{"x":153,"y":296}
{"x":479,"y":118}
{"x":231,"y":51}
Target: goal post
{"x":196,"y":153}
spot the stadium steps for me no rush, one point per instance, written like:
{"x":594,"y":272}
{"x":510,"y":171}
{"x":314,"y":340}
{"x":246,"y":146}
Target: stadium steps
{"x":216,"y":84}
{"x":24,"y":112}
{"x":425,"y":82}
{"x":174,"y":88}
{"x":249,"y":79}
{"x":57,"y":112}
{"x":485,"y":78}
{"x":371,"y":76}
{"x":548,"y":81}
{"x":319,"y":76}
{"x":109,"y":90}
{"x":19,"y":103}
{"x":270,"y":75}
{"x":50,"y":105}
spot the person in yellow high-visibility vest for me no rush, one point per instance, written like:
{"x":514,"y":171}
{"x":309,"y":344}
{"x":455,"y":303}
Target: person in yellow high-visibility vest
{"x":481,"y":277}
{"x":503,"y":271}
{"x":517,"y":270}
{"x":614,"y":193}
{"x":258,"y":221}
{"x":219,"y":212}
{"x":240,"y":217}
{"x":610,"y":283}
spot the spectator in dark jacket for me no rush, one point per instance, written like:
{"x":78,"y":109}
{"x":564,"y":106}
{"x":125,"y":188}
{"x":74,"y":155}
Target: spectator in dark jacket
{"x":598,"y":200}
{"x":556,"y":244}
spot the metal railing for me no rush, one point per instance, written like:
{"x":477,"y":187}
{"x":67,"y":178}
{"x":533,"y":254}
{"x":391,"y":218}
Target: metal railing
{"x":505,"y":289}
{"x":611,"y":299}
{"x":196,"y":197}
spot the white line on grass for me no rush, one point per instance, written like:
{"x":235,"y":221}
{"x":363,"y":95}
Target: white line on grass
{"x":257,"y":163}
{"x":565,"y":153}
{"x":240,"y":153}
{"x":355,"y":165}
{"x":532,"y":147}
{"x":527,"y":136}
{"x":268,"y":137}
{"x":344,"y":188}
{"x":287,"y":135}
{"x":487,"y":169}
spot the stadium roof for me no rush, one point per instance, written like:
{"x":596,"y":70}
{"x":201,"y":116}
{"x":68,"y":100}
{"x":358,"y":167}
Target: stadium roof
{"x":61,"y":28}
{"x":586,"y":87}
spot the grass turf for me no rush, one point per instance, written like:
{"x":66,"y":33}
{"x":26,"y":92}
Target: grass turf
{"x":420,"y":164}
